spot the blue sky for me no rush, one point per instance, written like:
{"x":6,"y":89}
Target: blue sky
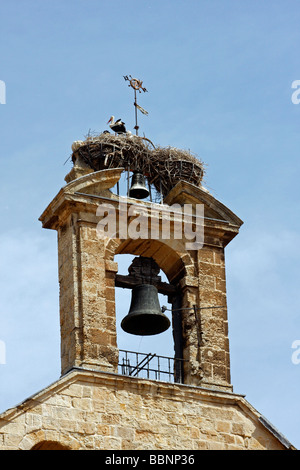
{"x":219,"y":76}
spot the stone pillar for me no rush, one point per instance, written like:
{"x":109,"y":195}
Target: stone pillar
{"x":190,"y":331}
{"x":87,"y":303}
{"x":213,"y":322}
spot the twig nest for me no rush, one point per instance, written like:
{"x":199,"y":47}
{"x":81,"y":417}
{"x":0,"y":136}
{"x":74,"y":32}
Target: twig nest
{"x":163,"y":167}
{"x":76,"y":144}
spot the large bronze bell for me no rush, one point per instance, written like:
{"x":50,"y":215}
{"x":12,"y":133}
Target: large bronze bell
{"x":138,"y":188}
{"x":145,"y":317}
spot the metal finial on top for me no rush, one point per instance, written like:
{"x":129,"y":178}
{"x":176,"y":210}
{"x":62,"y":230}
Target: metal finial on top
{"x":137,"y":85}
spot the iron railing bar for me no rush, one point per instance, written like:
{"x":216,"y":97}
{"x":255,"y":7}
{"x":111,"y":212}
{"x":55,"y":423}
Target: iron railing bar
{"x":138,"y":367}
{"x":163,"y":368}
{"x":147,"y":354}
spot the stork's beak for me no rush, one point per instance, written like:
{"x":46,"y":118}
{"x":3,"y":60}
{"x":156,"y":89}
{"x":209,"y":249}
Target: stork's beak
{"x":109,"y":121}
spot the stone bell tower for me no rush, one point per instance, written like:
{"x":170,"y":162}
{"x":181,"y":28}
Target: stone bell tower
{"x":180,"y":229}
{"x":88,"y":272}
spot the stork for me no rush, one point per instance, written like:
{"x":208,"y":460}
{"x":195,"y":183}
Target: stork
{"x":117,"y":126}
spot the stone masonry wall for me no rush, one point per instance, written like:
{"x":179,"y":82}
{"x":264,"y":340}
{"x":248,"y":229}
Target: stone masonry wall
{"x":92,"y":410}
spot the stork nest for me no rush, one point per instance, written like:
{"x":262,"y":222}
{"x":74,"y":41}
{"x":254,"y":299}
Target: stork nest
{"x":163,"y":167}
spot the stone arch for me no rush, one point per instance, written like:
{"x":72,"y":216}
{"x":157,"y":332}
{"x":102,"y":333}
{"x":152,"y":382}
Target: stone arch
{"x":170,"y":255}
{"x":39,"y":440}
{"x":50,"y":445}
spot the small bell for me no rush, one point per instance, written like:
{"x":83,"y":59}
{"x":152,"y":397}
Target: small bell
{"x":145,"y":317}
{"x":138,"y":188}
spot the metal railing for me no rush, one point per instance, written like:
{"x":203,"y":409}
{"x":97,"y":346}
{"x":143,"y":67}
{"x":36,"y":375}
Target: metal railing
{"x":150,"y":366}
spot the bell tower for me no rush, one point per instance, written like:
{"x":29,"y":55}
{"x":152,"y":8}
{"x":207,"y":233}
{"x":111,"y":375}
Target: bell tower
{"x":123,"y":195}
{"x":184,"y":235}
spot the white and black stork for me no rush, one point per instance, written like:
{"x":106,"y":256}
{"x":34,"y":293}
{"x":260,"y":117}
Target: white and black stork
{"x":117,"y":126}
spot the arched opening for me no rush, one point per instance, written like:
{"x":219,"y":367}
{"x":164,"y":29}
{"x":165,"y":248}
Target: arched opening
{"x":178,"y":268}
{"x":163,"y":343}
{"x":122,"y":187}
{"x":169,"y":256}
{"x":50,"y":445}
{"x":167,"y":347}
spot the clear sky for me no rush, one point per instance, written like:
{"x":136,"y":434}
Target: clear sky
{"x":219,"y":76}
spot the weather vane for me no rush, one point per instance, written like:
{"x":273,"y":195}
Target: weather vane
{"x":137,"y":85}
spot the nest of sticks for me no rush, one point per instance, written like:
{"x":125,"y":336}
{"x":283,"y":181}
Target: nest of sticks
{"x":163,"y":167}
